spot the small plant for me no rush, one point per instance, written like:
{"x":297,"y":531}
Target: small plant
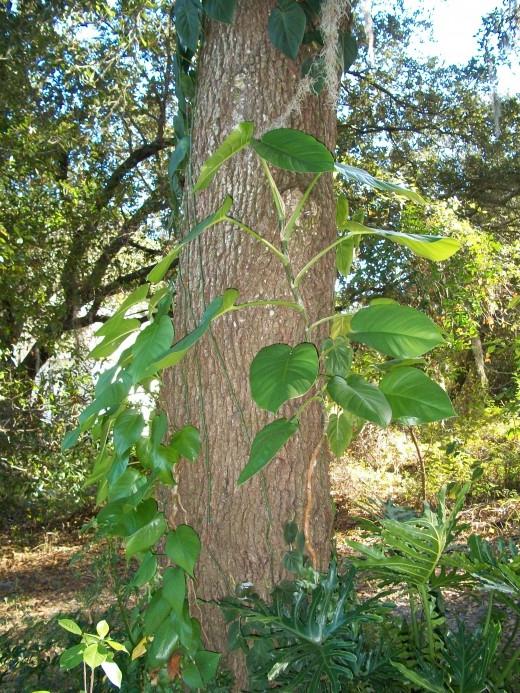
{"x":94,"y":652}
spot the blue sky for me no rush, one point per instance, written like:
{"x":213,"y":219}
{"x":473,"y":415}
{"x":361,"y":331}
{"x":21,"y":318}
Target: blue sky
{"x":455,"y":24}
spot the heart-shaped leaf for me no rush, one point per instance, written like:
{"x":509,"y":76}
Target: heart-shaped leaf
{"x":280,"y":372}
{"x":363,"y":399}
{"x":414,"y":398}
{"x":286,"y":27}
{"x":339,"y":433}
{"x":183,"y":547}
{"x":294,"y":150}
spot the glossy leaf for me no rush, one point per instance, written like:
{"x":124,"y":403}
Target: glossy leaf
{"x":234,"y":142}
{"x":127,"y":430}
{"x":220,"y":10}
{"x":337,"y":356}
{"x":187,"y":23}
{"x":186,"y":442}
{"x":102,"y":629}
{"x":146,"y":536}
{"x":114,"y":334}
{"x":266,"y":444}
{"x":286,"y":27}
{"x":294,"y":151}
{"x":361,"y":398}
{"x":414,"y":398}
{"x":183,"y":547}
{"x":152,"y":342}
{"x":339,"y":433}
{"x":146,"y":571}
{"x":157,"y":611}
{"x":395,"y":330}
{"x":174,"y":589}
{"x":359,"y":175}
{"x":165,"y":641}
{"x":279,"y":373}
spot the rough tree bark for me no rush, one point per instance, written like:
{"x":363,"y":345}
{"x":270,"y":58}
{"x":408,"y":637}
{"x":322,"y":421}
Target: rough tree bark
{"x":242,"y":77}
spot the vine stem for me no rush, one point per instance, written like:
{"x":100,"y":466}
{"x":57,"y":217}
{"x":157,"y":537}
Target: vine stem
{"x":426,"y":612}
{"x":247,"y":229}
{"x":85,"y":677}
{"x":317,"y":257}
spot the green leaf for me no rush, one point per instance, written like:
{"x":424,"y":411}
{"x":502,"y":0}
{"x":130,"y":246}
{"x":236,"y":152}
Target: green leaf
{"x":286,"y":27}
{"x":146,"y":571}
{"x":127,"y":430}
{"x":187,"y":23}
{"x":339,"y":433}
{"x":294,"y":150}
{"x":395,"y":330}
{"x":109,"y":399}
{"x":165,"y":641}
{"x":72,"y":656}
{"x":115,"y":331}
{"x":349,"y":49}
{"x":152,"y":342}
{"x":183,"y":547}
{"x":70,"y":439}
{"x":217,"y":307}
{"x":417,"y":679}
{"x":192,"y":676}
{"x":174,"y":589}
{"x":156,"y":274}
{"x":345,"y":256}
{"x":146,"y":536}
{"x":126,"y":484}
{"x":113,"y":673}
{"x":70,"y":625}
{"x":237,"y":139}
{"x":359,"y":175}
{"x":280,"y":372}
{"x":178,"y":155}
{"x":360,"y":398}
{"x":207,"y":663}
{"x":435,"y":248}
{"x":157,"y":611}
{"x":414,"y":398}
{"x":93,"y":657}
{"x":186,"y":442}
{"x":342,"y":212}
{"x":220,"y":10}
{"x":337,"y":356}
{"x":137,"y":296}
{"x":266,"y":444}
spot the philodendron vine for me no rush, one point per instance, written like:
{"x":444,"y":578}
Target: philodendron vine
{"x":136,"y":452}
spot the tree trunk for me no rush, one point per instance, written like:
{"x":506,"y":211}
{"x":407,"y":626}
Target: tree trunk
{"x":242,"y":77}
{"x":478,"y":355}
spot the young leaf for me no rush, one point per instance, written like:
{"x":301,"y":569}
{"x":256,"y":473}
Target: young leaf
{"x":187,"y":23}
{"x":395,"y":330}
{"x":102,"y":629}
{"x":137,"y":296}
{"x":342,"y":212}
{"x":280,"y":372}
{"x":266,"y":444}
{"x":339,"y":433}
{"x":360,"y":398}
{"x":414,"y":398}
{"x":359,"y":175}
{"x":70,"y":625}
{"x":345,"y":257}
{"x":93,"y":657}
{"x":286,"y":27}
{"x":234,"y":142}
{"x":146,"y":536}
{"x":115,"y":331}
{"x":113,"y":673}
{"x":294,"y":151}
{"x":220,"y":10}
{"x":183,"y":547}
